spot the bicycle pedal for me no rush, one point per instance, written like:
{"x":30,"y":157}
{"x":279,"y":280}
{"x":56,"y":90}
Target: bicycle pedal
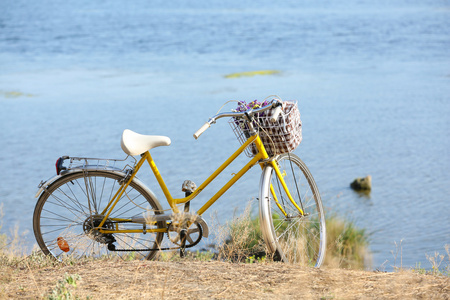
{"x":188,"y":187}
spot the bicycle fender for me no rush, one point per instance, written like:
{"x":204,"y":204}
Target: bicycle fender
{"x":44,"y":184}
{"x":264,"y":212}
{"x":265,"y":215}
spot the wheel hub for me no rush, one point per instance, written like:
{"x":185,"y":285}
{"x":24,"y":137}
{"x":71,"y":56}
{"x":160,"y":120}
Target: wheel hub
{"x":93,"y":222}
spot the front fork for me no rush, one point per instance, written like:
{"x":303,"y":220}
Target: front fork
{"x":273,"y":163}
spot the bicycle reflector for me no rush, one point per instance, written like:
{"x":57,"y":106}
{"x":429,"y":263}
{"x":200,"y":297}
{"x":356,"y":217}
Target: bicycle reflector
{"x":59,"y":165}
{"x":62,"y":244}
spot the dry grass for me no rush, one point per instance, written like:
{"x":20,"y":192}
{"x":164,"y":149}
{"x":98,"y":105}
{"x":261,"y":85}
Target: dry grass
{"x":117,"y":279}
{"x":239,"y":239}
{"x":439,"y":264}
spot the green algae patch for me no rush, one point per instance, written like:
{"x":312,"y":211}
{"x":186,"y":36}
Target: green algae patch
{"x":252,"y":73}
{"x":14,"y":94}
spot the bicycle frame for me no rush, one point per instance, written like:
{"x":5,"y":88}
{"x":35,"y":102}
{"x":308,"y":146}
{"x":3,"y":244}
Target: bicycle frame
{"x":260,"y":157}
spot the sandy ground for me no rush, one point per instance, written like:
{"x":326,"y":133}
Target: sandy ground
{"x":218,"y":280}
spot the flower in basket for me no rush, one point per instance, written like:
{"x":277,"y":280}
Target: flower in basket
{"x":243,"y":106}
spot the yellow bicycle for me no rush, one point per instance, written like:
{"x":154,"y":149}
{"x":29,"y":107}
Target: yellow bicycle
{"x":96,"y":207}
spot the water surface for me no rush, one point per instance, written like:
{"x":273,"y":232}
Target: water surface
{"x":372,"y":81}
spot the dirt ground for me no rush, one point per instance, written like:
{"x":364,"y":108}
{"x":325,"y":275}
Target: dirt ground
{"x":218,"y":280}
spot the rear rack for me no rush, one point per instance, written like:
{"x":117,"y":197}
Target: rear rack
{"x":87,"y":163}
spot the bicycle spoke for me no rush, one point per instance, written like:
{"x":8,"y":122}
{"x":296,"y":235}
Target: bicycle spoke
{"x":64,"y":204}
{"x":61,"y":216}
{"x":93,"y":189}
{"x":103,"y":189}
{"x":124,"y":242}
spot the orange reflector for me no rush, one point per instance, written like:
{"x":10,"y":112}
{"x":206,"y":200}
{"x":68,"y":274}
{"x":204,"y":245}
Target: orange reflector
{"x":62,"y":244}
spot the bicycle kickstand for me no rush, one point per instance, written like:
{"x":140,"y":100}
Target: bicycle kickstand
{"x":183,"y":234}
{"x":188,"y":187}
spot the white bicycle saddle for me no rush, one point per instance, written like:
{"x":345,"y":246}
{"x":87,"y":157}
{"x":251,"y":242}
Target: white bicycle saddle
{"x":134,"y":143}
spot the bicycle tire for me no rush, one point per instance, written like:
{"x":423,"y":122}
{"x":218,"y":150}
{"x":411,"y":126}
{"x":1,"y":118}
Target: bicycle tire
{"x":69,"y":207}
{"x":293,"y":238}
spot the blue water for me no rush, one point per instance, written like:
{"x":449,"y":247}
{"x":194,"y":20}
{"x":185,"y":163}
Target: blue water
{"x":372,"y":80}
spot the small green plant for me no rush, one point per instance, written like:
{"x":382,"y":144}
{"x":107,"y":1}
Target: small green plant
{"x":250,"y":259}
{"x":129,"y":256}
{"x":169,"y":255}
{"x":201,"y":255}
{"x":253,"y":259}
{"x":63,"y":291}
{"x":440,"y":266}
{"x":190,"y":255}
{"x":436,"y":261}
{"x":419,"y":269}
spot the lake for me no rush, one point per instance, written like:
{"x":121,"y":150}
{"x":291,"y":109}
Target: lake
{"x":372,"y":81}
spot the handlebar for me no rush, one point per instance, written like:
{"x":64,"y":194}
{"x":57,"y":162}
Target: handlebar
{"x":201,"y":130}
{"x":275,"y":105}
{"x":276,"y":112}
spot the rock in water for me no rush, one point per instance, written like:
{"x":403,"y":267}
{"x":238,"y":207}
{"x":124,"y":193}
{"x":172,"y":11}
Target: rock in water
{"x":362,"y":183}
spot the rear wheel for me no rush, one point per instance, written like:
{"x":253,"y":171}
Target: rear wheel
{"x":70,"y":209}
{"x":290,"y":235}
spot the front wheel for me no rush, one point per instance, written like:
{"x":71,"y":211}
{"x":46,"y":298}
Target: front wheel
{"x":290,"y":235}
{"x":69,"y":210}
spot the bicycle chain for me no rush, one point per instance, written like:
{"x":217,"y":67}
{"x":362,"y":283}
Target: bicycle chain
{"x":113,"y":248}
{"x":145,"y":250}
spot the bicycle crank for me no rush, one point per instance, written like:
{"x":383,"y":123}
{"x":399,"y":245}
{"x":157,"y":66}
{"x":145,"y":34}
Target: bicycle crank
{"x":191,"y":236}
{"x":176,"y":220}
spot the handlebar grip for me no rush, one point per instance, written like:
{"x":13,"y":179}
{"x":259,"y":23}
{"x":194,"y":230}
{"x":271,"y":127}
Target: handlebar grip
{"x":275,"y":113}
{"x":201,"y":130}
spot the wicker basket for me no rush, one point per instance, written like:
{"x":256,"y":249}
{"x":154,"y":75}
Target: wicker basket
{"x":279,"y":137}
